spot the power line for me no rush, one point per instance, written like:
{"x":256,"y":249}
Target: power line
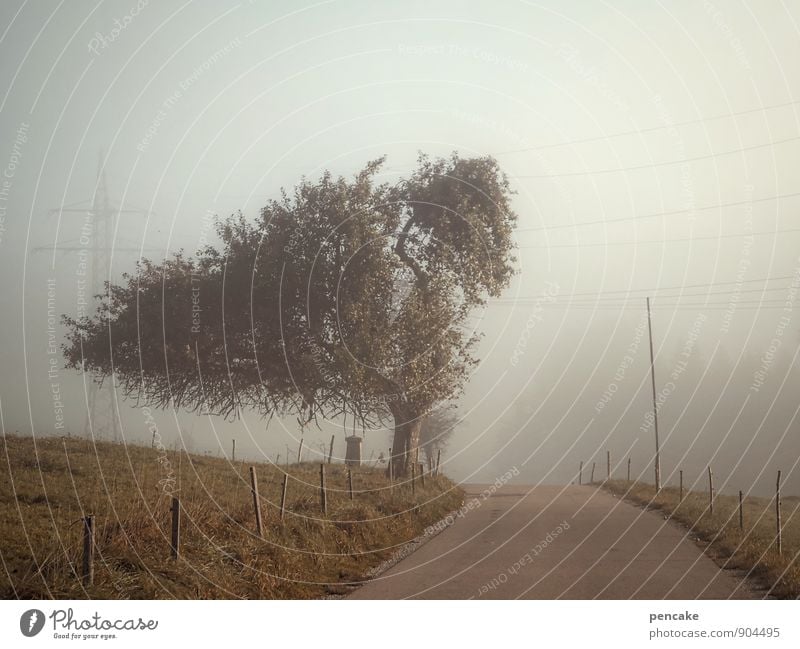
{"x":651,"y":129}
{"x":666,"y":163}
{"x":603,"y":244}
{"x":636,"y":304}
{"x":647,"y":290}
{"x":82,"y":249}
{"x":773,"y":302}
{"x":634,"y":307}
{"x":657,"y":214}
{"x":637,"y":298}
{"x":763,"y":289}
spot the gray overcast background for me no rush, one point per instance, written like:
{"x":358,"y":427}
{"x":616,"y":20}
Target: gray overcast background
{"x":654,"y":148}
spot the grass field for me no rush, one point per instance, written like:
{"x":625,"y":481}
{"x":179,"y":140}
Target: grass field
{"x":751,"y":548}
{"x":46,"y":487}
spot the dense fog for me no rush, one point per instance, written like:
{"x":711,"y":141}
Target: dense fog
{"x":654,"y":153}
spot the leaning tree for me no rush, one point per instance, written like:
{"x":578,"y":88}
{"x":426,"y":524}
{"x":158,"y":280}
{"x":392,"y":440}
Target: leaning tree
{"x":346,"y":296}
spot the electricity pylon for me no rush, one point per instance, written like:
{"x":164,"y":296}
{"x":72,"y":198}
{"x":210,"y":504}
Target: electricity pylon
{"x":96,"y":241}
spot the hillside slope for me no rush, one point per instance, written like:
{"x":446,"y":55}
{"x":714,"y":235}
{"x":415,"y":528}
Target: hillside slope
{"x":48,"y":484}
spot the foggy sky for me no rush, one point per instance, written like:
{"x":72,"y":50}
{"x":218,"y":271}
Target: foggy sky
{"x":647,"y":143}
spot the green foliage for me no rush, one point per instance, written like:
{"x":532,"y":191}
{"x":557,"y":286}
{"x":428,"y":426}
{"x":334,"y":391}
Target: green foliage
{"x":345,"y":296}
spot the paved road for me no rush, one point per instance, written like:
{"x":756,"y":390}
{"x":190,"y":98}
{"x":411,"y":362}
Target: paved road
{"x":556,"y":542}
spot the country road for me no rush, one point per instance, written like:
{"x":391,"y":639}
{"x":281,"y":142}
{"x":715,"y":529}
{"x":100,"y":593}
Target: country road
{"x":552,"y":542}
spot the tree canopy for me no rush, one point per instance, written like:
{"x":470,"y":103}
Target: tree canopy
{"x":343,"y":296}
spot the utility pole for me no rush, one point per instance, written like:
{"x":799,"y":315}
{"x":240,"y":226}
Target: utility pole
{"x":655,"y":403}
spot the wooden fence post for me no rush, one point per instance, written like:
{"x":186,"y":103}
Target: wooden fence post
{"x":438,"y":460}
{"x":710,"y":492}
{"x":741,"y":511}
{"x":413,"y":478}
{"x":256,"y":502}
{"x":330,"y":450}
{"x":422,"y":473}
{"x":283,"y":494}
{"x":680,"y":489}
{"x":323,"y":499}
{"x":580,"y":473}
{"x":778,"y":513}
{"x":592,"y":478}
{"x":233,"y":452}
{"x":88,"y":550}
{"x":629,"y":469}
{"x":350,"y":482}
{"x":299,"y":451}
{"x":176,"y":527}
{"x":608,"y":465}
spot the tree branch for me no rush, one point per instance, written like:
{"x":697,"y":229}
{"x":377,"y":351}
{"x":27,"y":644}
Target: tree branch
{"x":400,"y":251}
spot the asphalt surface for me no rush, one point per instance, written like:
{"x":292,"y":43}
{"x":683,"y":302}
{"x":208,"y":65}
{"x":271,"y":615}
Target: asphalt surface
{"x":556,"y":543}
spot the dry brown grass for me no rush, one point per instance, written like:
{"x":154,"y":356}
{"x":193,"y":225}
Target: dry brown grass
{"x":47,"y":485}
{"x":751,"y":549}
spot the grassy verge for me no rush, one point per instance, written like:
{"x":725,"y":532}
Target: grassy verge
{"x":751,"y":548}
{"x":46,"y":486}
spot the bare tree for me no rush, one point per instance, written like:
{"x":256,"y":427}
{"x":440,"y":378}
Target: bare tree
{"x":437,"y":429}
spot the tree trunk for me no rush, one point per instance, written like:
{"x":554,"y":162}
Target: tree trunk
{"x":406,"y":441}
